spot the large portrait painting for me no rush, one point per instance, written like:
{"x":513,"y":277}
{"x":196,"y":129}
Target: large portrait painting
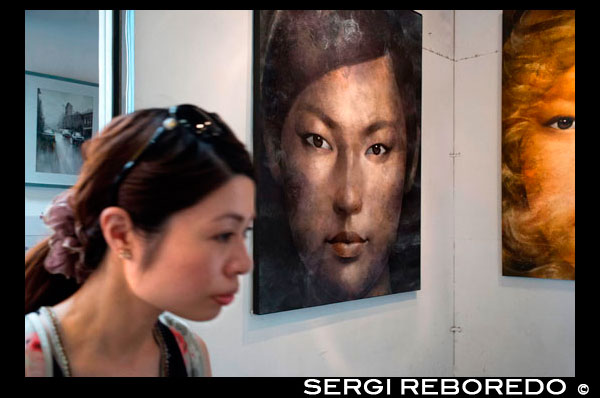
{"x":538,"y":144}
{"x":337,"y":134}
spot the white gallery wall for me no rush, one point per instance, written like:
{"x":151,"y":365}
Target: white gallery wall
{"x":508,"y":326}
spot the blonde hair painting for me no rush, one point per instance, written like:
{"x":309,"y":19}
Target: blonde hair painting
{"x":538,"y":121}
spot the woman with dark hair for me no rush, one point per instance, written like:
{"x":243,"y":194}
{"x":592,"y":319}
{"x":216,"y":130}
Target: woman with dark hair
{"x":156,"y":222}
{"x":340,"y":124}
{"x":538,"y":146}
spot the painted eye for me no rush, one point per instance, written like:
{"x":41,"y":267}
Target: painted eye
{"x":317,"y":141}
{"x":562,"y":123}
{"x":377,"y":149}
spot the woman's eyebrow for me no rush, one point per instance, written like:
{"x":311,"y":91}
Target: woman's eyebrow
{"x":372,"y":128}
{"x":306,"y":107}
{"x":237,"y":217}
{"x":548,"y":109}
{"x":378,"y":125}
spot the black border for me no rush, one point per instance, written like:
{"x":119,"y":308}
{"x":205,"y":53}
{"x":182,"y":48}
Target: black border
{"x":116,"y":63}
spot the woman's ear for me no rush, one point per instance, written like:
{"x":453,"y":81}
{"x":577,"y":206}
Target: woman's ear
{"x":117,"y":229}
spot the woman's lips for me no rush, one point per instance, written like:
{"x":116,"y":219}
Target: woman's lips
{"x":347,"y":250}
{"x":347,"y":244}
{"x":224,"y":299}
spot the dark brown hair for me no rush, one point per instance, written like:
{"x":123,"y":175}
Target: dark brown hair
{"x":175,"y":174}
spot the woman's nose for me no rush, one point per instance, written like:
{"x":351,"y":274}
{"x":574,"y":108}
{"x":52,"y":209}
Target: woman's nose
{"x":240,"y":263}
{"x":348,"y":186}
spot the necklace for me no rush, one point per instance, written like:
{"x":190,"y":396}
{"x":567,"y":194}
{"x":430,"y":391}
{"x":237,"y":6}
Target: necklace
{"x":64,"y":360}
{"x":164,"y":354}
{"x":62,"y":356}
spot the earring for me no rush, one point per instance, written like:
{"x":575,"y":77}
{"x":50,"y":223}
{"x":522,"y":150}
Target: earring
{"x":125,"y":254}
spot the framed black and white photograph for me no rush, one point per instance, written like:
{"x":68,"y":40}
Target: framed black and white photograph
{"x":60,"y":114}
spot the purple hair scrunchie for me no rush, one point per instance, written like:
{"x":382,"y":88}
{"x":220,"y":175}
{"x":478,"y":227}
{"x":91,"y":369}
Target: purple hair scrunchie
{"x":66,"y":255}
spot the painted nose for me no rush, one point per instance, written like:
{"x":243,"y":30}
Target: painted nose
{"x":348,"y":181}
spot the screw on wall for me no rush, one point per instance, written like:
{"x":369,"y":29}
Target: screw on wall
{"x":456,"y":329}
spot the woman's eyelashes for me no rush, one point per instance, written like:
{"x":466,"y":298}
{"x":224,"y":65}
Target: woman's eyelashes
{"x":377,"y":150}
{"x":561,"y":123}
{"x":316,"y":141}
{"x":226,"y":236}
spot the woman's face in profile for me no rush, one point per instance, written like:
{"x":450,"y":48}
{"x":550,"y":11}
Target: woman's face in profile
{"x":344,"y":142}
{"x":195,"y":269}
{"x":548,"y":164}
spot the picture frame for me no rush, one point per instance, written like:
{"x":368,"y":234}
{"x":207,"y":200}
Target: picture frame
{"x":60,"y":114}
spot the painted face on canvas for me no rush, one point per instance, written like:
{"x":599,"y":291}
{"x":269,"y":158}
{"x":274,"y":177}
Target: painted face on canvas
{"x":548,"y":165}
{"x":344,"y":142}
{"x":196,"y":268}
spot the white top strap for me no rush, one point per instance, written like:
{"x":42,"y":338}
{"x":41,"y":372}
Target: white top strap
{"x":57,"y":349}
{"x":33,"y":324}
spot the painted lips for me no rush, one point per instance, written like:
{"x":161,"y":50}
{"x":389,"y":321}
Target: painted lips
{"x":347,"y":244}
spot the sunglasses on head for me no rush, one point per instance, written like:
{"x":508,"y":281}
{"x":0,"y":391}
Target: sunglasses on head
{"x":188,"y":117}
